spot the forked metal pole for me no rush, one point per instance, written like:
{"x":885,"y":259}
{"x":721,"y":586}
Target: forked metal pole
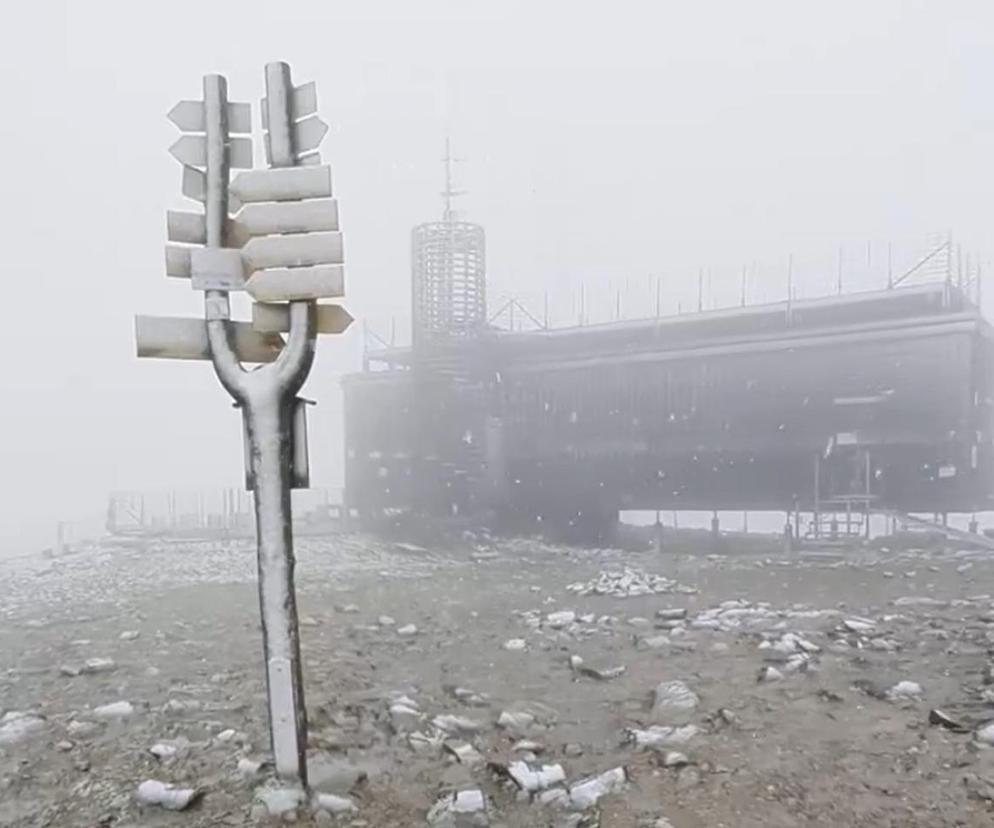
{"x":266,"y":396}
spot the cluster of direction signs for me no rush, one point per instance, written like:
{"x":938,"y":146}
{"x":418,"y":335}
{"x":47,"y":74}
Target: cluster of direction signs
{"x":281,"y":237}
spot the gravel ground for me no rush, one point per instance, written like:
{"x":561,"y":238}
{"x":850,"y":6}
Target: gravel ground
{"x":761,"y":682}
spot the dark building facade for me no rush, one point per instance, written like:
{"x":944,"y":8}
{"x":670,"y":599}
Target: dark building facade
{"x":879,"y":399}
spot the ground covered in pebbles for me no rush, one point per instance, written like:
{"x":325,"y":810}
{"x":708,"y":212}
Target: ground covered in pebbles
{"x":504,"y":683}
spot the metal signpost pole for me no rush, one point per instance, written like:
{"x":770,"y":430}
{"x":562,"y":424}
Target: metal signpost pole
{"x":283,"y":248}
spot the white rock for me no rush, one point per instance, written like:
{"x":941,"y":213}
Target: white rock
{"x":129,"y":635}
{"x":587,"y":793}
{"x":114,"y":710}
{"x":770,"y":673}
{"x":675,"y":759}
{"x":985,"y":735}
{"x":533,"y":780}
{"x":153,"y":792}
{"x":99,"y":665}
{"x":465,"y":753}
{"x":407,"y":629}
{"x":16,"y":726}
{"x":250,"y":768}
{"x":279,"y":801}
{"x":456,"y":724}
{"x":558,"y":620}
{"x":658,"y":736}
{"x":859,"y":625}
{"x":335,"y":804}
{"x":386,"y":621}
{"x":81,"y":729}
{"x":675,"y":696}
{"x":460,"y":803}
{"x":518,"y":720}
{"x":905,"y":690}
{"x":654,"y":642}
{"x":515,"y":645}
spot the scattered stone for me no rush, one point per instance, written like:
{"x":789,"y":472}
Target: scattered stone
{"x":457,"y":724}
{"x":114,"y":710}
{"x":674,"y":697}
{"x":166,"y":750}
{"x":407,"y":630}
{"x":769,"y":673}
{"x":517,"y":720}
{"x":573,"y":750}
{"x":985,"y":735}
{"x":658,"y":736}
{"x":515,"y":645}
{"x":334,"y":804}
{"x":671,"y":614}
{"x":455,"y":808}
{"x":940,"y":719}
{"x":64,"y":746}
{"x":558,"y":620}
{"x":653,"y":642}
{"x":251,"y":768}
{"x":858,"y":625}
{"x":16,"y":726}
{"x":675,"y":759}
{"x":905,"y":691}
{"x":464,"y":753}
{"x":81,"y":729}
{"x":129,"y":635}
{"x":99,"y":665}
{"x":533,"y":780}
{"x":153,"y":792}
{"x":280,"y":801}
{"x":921,"y":601}
{"x":587,"y":793}
{"x":626,"y":583}
{"x":528,"y":746}
{"x":386,"y":621}
{"x":577,"y":665}
{"x":70,"y":670}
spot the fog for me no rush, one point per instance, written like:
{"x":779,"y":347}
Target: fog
{"x":605,"y":144}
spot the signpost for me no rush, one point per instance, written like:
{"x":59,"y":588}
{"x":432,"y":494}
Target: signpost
{"x":284,"y":248}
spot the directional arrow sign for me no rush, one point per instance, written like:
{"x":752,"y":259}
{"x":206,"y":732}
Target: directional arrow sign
{"x":189,"y":117}
{"x":291,"y":217}
{"x":178,"y":261}
{"x":303,"y":102}
{"x":307,"y":135}
{"x":171,"y":337}
{"x":293,"y":251}
{"x":188,"y":228}
{"x":191,"y":150}
{"x":294,"y":283}
{"x":194,"y":184}
{"x":282,"y":184}
{"x":330,"y":319}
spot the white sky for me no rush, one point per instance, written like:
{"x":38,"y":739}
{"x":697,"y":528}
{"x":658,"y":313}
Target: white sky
{"x":606,"y":142}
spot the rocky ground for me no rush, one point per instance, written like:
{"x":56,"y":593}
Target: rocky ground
{"x":505,"y":683}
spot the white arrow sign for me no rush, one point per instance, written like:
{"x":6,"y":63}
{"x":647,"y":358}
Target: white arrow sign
{"x":295,"y":283}
{"x":189,"y":117}
{"x":293,"y":251}
{"x":303,"y":102}
{"x":329,"y":319}
{"x":171,"y":337}
{"x":194,"y":184}
{"x":191,"y":150}
{"x":282,"y":184}
{"x":178,"y":261}
{"x":187,"y":228}
{"x":291,"y":217}
{"x":307,"y":135}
